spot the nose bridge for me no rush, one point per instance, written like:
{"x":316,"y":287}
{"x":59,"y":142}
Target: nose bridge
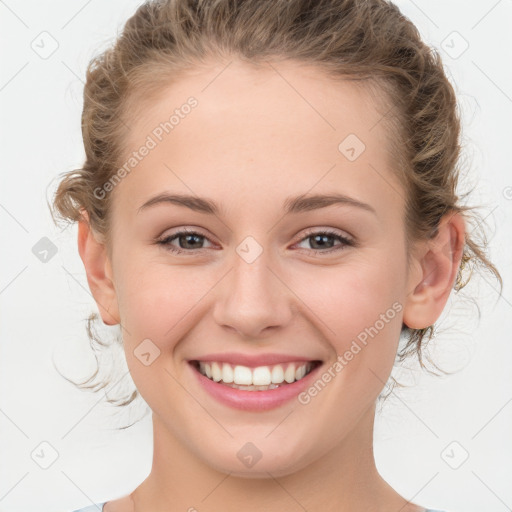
{"x":253,"y":297}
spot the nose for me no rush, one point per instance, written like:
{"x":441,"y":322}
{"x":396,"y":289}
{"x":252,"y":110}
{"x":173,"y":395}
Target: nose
{"x":253,"y":300}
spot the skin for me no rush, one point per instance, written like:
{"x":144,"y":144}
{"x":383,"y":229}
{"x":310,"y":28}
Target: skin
{"x":252,"y":142}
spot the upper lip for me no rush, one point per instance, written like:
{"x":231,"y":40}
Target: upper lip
{"x":252,"y":361}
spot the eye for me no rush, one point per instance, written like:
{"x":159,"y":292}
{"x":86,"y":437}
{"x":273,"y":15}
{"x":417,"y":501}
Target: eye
{"x":321,"y":240}
{"x":187,"y":240}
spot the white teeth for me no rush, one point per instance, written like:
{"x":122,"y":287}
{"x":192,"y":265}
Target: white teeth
{"x":253,"y":388}
{"x":259,"y":378}
{"x":242,"y":375}
{"x":227,"y":373}
{"x":277,"y":374}
{"x":300,"y":372}
{"x":216,"y":372}
{"x":289,"y":374}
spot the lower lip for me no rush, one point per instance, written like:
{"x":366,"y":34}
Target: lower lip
{"x":255,"y":400}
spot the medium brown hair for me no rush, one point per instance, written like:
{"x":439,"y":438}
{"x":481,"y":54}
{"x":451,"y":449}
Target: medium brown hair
{"x":365,"y":40}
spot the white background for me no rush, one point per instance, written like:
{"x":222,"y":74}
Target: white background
{"x":43,"y":305}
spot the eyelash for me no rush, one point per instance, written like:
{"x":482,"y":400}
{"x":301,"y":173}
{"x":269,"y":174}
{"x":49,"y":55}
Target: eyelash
{"x":166,"y":242}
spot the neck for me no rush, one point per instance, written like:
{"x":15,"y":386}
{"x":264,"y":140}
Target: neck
{"x":344,"y":478}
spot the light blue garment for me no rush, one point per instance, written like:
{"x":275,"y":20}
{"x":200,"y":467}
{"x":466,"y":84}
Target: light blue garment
{"x":92,"y":508}
{"x":99,"y":506}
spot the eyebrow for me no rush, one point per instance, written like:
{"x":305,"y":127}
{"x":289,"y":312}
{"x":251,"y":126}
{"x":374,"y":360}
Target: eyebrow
{"x":298,"y":204}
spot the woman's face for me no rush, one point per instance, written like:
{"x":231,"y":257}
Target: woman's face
{"x":259,"y":277}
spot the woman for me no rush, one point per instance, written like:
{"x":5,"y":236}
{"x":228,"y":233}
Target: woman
{"x":268,"y":203}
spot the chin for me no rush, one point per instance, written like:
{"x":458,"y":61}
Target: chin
{"x":276,"y":464}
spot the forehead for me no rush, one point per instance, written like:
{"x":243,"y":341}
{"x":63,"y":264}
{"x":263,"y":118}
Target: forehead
{"x":279,"y":126}
{"x":272,"y":93}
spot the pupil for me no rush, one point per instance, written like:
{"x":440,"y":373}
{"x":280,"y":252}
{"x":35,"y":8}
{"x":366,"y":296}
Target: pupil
{"x":322,"y":240}
{"x":187,"y":237}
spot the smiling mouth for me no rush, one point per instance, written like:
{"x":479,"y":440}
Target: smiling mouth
{"x":261,"y":378}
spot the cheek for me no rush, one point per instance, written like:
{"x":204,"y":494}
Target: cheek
{"x":359,"y":306}
{"x":156,"y":301}
{"x":158,"y":307}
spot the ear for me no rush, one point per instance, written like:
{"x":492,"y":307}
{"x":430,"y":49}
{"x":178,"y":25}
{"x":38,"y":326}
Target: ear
{"x":435,"y":271}
{"x":99,"y":271}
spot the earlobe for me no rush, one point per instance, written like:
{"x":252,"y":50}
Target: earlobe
{"x":435,"y":273}
{"x":98,"y":270}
